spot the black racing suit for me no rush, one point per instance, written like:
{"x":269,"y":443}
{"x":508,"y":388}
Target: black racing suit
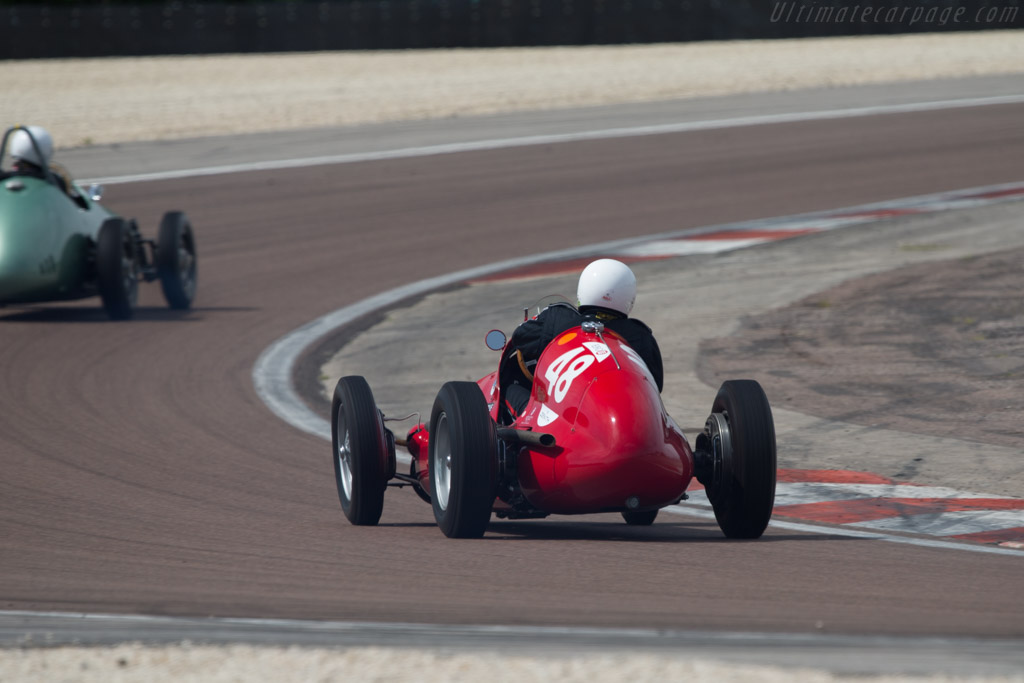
{"x":27,"y":168}
{"x":533,"y":336}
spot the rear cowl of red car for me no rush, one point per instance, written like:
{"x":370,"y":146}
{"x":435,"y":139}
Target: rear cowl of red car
{"x":622,"y":453}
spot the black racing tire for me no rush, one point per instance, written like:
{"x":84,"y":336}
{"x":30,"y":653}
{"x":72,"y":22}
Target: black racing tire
{"x":176,"y":260}
{"x":463,"y":460}
{"x":359,"y":451}
{"x":639,"y":517}
{"x":744,"y":495}
{"x":117,"y":269}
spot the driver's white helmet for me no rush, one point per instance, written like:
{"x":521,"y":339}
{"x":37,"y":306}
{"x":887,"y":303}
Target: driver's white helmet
{"x":609,"y":284}
{"x":22,"y":147}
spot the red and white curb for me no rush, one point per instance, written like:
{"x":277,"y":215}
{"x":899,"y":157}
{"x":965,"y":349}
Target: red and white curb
{"x":862,"y":500}
{"x":742,"y":235}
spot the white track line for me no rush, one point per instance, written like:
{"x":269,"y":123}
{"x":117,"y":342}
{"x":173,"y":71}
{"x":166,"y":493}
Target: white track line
{"x":807,"y":492}
{"x":690,"y":247}
{"x":603,"y":134}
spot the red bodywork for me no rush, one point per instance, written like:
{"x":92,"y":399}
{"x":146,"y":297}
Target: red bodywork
{"x":616,"y":448}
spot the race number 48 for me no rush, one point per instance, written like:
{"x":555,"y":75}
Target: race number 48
{"x":565,"y":369}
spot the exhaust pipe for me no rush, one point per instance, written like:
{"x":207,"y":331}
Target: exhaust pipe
{"x":527,"y":437}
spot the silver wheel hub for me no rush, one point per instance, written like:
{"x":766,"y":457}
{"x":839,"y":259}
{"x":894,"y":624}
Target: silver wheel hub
{"x":344,"y":454}
{"x":131,"y":282}
{"x":717,"y":429}
{"x":442,"y":462}
{"x":185,"y":261}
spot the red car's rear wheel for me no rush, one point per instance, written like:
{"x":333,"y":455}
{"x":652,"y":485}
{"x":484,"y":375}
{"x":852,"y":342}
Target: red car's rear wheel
{"x":741,"y":434}
{"x":463,"y":460}
{"x":360,"y":451}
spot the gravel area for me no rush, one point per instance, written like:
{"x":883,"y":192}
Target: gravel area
{"x":95,"y":101}
{"x":284,"y":665}
{"x":855,"y":353}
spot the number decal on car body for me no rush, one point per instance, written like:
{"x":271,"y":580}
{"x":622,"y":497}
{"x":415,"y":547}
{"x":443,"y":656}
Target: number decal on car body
{"x":565,"y":369}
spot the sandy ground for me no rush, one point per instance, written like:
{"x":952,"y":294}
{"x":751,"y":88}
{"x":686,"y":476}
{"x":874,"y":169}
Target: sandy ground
{"x":86,"y":102}
{"x":285,"y":665}
{"x":855,"y":353}
{"x":94,"y":101}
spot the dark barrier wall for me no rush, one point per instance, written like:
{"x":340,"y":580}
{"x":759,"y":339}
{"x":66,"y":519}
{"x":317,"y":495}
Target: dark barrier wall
{"x":86,"y":30}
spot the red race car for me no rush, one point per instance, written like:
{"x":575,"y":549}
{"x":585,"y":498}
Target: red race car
{"x":594,"y":437}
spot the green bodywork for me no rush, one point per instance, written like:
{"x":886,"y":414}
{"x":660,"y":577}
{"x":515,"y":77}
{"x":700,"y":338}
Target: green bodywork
{"x":47,"y":241}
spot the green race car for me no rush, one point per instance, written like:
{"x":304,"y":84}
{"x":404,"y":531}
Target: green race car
{"x":58,"y":243}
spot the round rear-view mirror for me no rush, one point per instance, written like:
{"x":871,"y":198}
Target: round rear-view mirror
{"x":495,"y":340}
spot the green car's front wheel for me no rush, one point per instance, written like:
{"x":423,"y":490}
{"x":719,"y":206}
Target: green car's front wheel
{"x":176,"y":260}
{"x":117,"y":269}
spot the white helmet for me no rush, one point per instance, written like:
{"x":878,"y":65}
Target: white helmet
{"x":609,"y":284}
{"x":22,"y":147}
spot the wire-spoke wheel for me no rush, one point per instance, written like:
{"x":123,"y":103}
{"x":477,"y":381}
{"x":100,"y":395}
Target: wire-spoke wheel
{"x":359,"y":451}
{"x":463,"y":460}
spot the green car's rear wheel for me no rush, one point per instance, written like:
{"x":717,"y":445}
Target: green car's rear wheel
{"x":176,"y":260}
{"x":117,"y":269}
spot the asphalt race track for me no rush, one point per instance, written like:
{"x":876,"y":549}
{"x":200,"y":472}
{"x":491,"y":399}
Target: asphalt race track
{"x":143,"y":475}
